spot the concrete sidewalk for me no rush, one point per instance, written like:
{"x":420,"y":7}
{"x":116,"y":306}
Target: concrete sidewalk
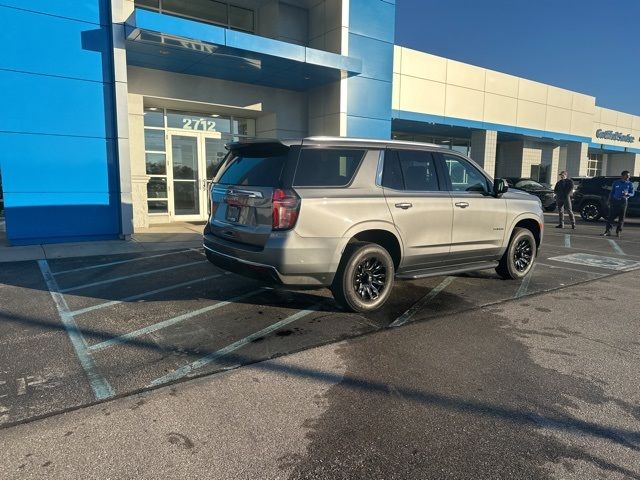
{"x":531,"y":388}
{"x":156,"y":238}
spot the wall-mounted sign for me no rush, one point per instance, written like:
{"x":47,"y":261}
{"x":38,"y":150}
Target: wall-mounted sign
{"x":617,"y":136}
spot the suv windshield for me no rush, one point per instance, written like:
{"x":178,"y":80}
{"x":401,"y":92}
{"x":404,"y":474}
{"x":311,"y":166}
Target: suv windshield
{"x":259,"y":166}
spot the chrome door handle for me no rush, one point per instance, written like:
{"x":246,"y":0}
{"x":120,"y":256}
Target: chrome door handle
{"x":404,"y":205}
{"x":462,"y":204}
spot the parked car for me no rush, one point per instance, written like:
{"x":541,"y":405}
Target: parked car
{"x":354,"y":215}
{"x":544,"y":193}
{"x":591,"y":198}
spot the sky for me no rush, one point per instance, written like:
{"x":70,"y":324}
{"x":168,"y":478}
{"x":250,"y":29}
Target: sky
{"x":589,"y":46}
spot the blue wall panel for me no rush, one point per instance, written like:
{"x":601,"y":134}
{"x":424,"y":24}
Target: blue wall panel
{"x":57,"y":151}
{"x":371,"y":36}
{"x":94,"y":11}
{"x":34,"y":43}
{"x":54,"y":105}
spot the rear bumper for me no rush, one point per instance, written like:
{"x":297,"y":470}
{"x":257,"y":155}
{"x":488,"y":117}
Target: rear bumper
{"x":286,"y":259}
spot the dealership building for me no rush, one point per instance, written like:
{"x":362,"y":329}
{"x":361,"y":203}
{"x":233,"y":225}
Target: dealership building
{"x":116,"y":112}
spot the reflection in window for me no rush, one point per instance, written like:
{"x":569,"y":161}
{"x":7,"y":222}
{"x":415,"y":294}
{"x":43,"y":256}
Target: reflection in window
{"x":210,"y":11}
{"x":465,"y":178}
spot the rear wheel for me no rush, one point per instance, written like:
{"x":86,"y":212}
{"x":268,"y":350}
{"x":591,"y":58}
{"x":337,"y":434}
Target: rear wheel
{"x":591,"y":211}
{"x":518,"y":260}
{"x":364,"y":279}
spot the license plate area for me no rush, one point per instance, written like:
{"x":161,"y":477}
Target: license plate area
{"x":233,"y":213}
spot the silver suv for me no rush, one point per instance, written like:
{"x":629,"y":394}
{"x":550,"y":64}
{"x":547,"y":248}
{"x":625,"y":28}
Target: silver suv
{"x":354,"y":215}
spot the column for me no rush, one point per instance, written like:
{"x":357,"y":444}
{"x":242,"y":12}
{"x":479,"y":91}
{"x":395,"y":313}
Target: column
{"x":577,"y":158}
{"x":531,"y":155}
{"x":551,"y":159}
{"x":138,"y":173}
{"x":483,"y":149}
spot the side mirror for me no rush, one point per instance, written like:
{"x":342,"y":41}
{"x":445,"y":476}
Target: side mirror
{"x":500,"y":186}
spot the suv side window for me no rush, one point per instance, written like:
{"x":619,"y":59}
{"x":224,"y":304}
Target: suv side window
{"x":412,"y":170}
{"x":464,"y":176}
{"x":327,"y":167}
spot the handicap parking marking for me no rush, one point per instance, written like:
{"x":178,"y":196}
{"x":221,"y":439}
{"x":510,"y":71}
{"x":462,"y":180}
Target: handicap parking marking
{"x":146,"y":294}
{"x":128,"y":337}
{"x":126,"y":277}
{"x":524,"y":286}
{"x":219,"y":354}
{"x":120,"y":262}
{"x":611,"y":263}
{"x":578,"y":270}
{"x":420,"y":304}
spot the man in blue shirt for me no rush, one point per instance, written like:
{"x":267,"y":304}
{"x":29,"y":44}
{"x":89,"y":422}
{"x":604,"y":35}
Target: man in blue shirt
{"x":621,"y":190}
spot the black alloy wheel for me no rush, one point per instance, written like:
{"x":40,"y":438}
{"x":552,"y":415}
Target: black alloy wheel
{"x":369,"y":279}
{"x":365,"y":277}
{"x":523,"y":254}
{"x":590,"y":212}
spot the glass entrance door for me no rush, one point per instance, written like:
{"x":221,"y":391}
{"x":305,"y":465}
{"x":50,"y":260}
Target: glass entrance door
{"x":194,"y":160}
{"x":186,"y":177}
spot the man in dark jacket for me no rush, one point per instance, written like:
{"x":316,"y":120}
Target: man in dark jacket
{"x":621,"y":190}
{"x":563,"y":191}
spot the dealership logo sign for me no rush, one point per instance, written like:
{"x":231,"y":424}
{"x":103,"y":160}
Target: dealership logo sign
{"x":617,"y":136}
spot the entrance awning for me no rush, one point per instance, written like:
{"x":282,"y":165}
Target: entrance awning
{"x":179,"y":45}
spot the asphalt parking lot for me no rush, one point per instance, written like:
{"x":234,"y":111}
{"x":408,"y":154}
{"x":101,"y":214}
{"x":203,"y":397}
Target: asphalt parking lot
{"x":77,"y":331}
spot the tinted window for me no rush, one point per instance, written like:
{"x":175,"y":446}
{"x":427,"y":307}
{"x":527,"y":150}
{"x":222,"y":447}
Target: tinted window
{"x":260,"y":167}
{"x":464,"y":176}
{"x":392,"y":174}
{"x":418,"y":171}
{"x":322,"y":167}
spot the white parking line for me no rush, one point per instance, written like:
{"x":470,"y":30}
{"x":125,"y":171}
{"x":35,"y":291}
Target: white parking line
{"x":567,"y":240}
{"x":616,"y":247}
{"x":145,"y":294}
{"x":558,"y":267}
{"x":119,"y":262}
{"x":127,"y":337}
{"x":125,"y":277}
{"x":101,"y":387}
{"x":524,"y":286}
{"x":212,"y":357}
{"x":406,"y":316}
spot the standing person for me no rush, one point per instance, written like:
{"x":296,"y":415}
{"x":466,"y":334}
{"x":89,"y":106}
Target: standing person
{"x":621,"y":190}
{"x":563,"y":191}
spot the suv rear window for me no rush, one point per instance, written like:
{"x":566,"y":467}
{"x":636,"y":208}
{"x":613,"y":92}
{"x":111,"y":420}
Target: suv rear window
{"x":323,"y":167}
{"x":258,"y":167}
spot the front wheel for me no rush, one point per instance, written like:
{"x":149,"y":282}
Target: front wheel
{"x":518,"y":260}
{"x":364,"y":279}
{"x":590,"y":212}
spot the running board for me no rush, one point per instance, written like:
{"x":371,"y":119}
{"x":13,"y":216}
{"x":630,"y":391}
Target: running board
{"x":448,"y":270}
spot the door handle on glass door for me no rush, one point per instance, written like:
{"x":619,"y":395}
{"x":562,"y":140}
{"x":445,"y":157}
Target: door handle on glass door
{"x":404,"y":205}
{"x":462,"y":204}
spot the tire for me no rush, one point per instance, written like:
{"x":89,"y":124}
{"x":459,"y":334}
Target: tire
{"x":520,"y":256}
{"x":364,"y":278}
{"x":591,"y":211}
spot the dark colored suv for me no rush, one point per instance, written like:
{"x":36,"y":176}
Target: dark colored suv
{"x":591,"y":198}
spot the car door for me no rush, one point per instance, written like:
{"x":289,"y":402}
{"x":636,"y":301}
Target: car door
{"x":479,"y":218}
{"x":420,"y":206}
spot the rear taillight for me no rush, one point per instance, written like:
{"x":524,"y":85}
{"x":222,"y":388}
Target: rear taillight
{"x":286,"y":206}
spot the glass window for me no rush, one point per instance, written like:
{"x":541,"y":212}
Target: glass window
{"x":464,"y":177}
{"x":392,"y":174}
{"x":322,"y":167}
{"x":207,"y":10}
{"x":154,"y":140}
{"x":156,"y":163}
{"x":244,"y":126}
{"x":260,"y":167}
{"x":155,"y":4}
{"x":155,"y":206}
{"x":241,"y":18}
{"x":153,"y":117}
{"x":594,"y":165}
{"x":157,"y":187}
{"x":418,"y":171}
{"x":214,"y":152}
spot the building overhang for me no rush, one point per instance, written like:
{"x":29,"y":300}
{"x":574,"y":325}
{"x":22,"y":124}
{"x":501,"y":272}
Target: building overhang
{"x":175,"y":44}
